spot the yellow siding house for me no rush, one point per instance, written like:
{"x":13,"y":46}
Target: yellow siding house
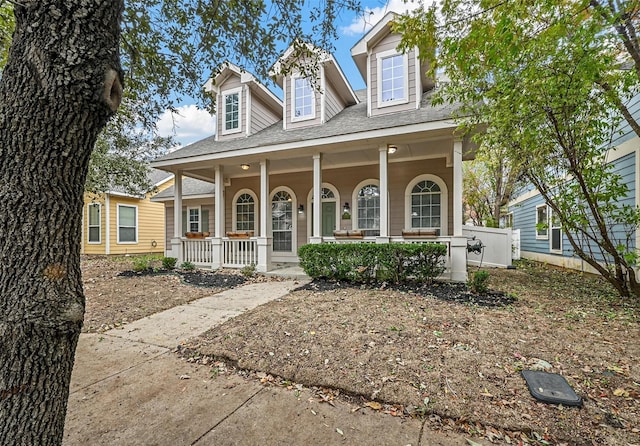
{"x":118,"y":223}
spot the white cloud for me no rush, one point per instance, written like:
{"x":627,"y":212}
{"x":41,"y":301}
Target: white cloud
{"x":361,"y":24}
{"x":188,"y":124}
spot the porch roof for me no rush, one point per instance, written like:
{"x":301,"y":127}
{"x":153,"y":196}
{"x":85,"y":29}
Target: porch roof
{"x":352,"y":121}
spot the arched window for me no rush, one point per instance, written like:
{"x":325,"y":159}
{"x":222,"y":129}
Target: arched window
{"x":282,"y":221}
{"x":426,"y":204}
{"x":245,"y":211}
{"x":367,"y":203}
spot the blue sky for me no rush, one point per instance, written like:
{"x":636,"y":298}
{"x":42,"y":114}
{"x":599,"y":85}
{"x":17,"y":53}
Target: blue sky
{"x":191,"y":124}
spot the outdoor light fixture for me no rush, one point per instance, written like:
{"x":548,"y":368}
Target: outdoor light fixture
{"x":346,"y":209}
{"x":244,"y":166}
{"x":301,"y":209}
{"x":391,"y":149}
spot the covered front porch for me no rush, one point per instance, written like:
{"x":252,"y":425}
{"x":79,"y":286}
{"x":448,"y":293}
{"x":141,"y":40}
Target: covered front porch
{"x":406,"y":192}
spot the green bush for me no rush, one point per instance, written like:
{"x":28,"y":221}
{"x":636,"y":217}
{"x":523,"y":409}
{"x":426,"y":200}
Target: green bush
{"x":363,"y":262}
{"x":248,"y":271}
{"x":169,"y":262}
{"x":478,"y":283}
{"x":141,"y":264}
{"x":188,"y":266}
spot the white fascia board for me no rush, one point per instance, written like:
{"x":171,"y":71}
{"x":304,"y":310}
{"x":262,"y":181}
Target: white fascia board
{"x":362,"y":46}
{"x":161,"y":182}
{"x":338,"y":139}
{"x":184,"y":198}
{"x":343,"y":77}
{"x":124,"y":194}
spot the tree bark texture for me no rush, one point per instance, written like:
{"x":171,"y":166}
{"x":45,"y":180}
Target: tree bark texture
{"x":61,"y":84}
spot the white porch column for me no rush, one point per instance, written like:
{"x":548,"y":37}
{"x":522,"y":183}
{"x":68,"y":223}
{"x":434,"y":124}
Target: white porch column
{"x":317,"y":199}
{"x":176,"y":241}
{"x":264,"y":240}
{"x":458,"y":246}
{"x":384,"y":195}
{"x":457,"y":188}
{"x":219,"y":217}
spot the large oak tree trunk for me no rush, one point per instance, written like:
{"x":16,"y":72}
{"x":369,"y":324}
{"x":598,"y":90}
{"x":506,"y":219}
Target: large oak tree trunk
{"x":60,"y":85}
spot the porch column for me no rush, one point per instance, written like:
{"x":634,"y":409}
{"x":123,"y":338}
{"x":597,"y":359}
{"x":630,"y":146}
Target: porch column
{"x":176,"y":241}
{"x":317,"y":199}
{"x":217,"y":254}
{"x":457,"y":188}
{"x":384,"y":195}
{"x":264,"y":240}
{"x":458,"y":241}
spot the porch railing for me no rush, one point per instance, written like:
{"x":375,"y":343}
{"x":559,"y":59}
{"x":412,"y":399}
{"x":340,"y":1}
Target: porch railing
{"x":238,"y":253}
{"x":197,"y":251}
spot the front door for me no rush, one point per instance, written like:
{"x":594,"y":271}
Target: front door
{"x":328,"y":218}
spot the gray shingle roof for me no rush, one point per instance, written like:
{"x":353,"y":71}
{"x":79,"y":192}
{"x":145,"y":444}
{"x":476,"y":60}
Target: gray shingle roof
{"x":351,"y":120}
{"x":190,"y":187}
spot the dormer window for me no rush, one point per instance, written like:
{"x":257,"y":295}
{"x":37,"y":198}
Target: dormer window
{"x":231,"y":101}
{"x":393,"y":78}
{"x":303,"y":99}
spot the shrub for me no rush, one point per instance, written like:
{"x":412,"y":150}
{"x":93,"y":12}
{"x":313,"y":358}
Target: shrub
{"x":478,"y":283}
{"x":141,"y":264}
{"x":362,"y":262}
{"x":248,"y":271}
{"x":188,"y":266}
{"x":169,"y":262}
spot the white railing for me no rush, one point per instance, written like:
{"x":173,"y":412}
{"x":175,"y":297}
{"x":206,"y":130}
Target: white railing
{"x":197,"y":251}
{"x":239,"y":252}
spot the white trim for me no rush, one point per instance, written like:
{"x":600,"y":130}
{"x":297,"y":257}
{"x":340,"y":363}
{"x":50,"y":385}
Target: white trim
{"x":323,"y":95}
{"x":223,"y":110}
{"x":184,"y":198}
{"x":363,"y":44}
{"x":354,"y":202}
{"x":444,"y":202}
{"x":248,"y":110}
{"x":405,"y":75}
{"x":294,"y":221}
{"x":325,"y":141}
{"x":89,"y":242}
{"x":118,"y":224}
{"x":256,"y":208}
{"x":550,"y":232}
{"x":284,"y":104}
{"x":295,"y":118}
{"x":418,"y":74}
{"x":369,"y":87}
{"x":188,"y":228}
{"x":107,"y":222}
{"x":542,"y":236}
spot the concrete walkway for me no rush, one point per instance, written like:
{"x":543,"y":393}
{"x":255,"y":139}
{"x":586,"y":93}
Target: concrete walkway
{"x":128,"y":388}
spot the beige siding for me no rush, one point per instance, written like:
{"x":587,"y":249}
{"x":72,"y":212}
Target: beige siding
{"x":333,"y":104}
{"x":229,"y":84}
{"x":261,"y":116}
{"x":205,"y":205}
{"x":390,"y":43}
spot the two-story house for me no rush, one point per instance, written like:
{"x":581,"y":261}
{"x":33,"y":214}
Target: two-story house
{"x":327,"y":164}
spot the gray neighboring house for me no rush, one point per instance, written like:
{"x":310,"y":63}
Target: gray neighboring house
{"x":332,"y":165}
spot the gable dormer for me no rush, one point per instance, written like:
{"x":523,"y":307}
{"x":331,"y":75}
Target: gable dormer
{"x":314,"y":87}
{"x":395,"y":81}
{"x":243,"y":105}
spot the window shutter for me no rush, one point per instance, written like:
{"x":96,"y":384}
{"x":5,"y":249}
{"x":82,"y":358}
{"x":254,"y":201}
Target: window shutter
{"x":204,"y":220}
{"x":184,"y":223}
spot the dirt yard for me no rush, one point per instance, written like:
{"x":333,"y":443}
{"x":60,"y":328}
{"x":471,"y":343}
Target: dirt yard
{"x":424,"y":354}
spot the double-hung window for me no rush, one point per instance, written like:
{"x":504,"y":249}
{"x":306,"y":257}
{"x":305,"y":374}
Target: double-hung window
{"x":127,"y":224}
{"x":542,"y":222}
{"x":303,"y":99}
{"x":193,"y":214}
{"x":393,"y":78}
{"x":232,"y":103}
{"x":94,"y":222}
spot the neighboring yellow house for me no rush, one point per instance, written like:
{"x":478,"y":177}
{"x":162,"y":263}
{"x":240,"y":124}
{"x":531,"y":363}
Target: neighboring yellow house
{"x":119,"y":223}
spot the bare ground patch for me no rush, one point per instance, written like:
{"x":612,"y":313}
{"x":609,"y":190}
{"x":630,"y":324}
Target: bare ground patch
{"x":424,"y":354}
